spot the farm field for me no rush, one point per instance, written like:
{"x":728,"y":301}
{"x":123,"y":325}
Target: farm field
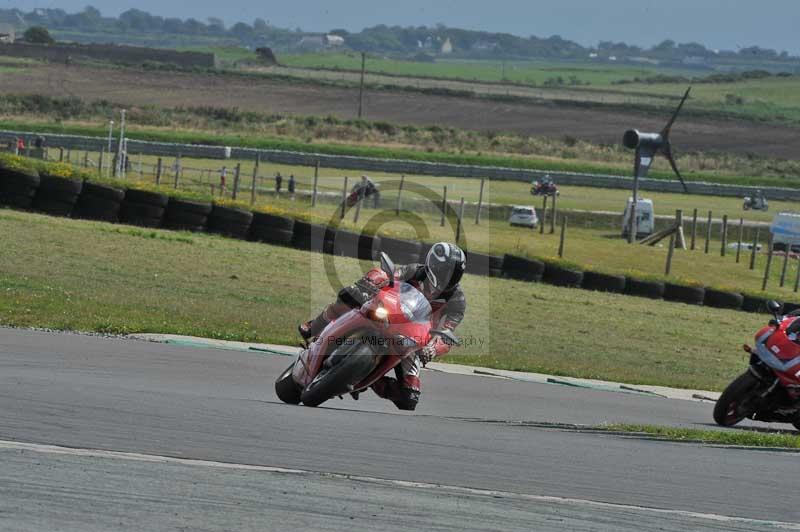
{"x":69,"y":274}
{"x":132,"y":87}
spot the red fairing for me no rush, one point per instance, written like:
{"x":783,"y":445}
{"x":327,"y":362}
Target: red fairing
{"x":785,"y":347}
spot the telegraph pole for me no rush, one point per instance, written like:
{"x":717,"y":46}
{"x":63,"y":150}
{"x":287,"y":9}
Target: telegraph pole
{"x":361,"y":88}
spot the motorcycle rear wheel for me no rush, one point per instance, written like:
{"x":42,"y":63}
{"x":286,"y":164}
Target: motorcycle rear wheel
{"x":286,"y":389}
{"x":728,"y":411}
{"x":348,"y":368}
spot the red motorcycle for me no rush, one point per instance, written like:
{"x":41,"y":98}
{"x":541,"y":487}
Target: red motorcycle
{"x":546,"y":187}
{"x":361,"y":346}
{"x":769,"y":390}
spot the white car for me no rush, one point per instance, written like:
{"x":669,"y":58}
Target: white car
{"x":523,"y":216}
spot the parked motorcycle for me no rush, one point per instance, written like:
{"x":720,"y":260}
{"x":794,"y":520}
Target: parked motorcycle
{"x":545,"y":187}
{"x":757,"y":203}
{"x":361,"y":346}
{"x":769,"y":390}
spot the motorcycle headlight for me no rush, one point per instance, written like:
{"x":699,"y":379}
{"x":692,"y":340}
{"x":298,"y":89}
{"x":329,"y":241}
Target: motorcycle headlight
{"x":380,"y":314}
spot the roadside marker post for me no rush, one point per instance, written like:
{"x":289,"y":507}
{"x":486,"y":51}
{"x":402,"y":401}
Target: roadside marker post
{"x":159,"y":168}
{"x":694,"y":229}
{"x":177,"y":170}
{"x":754,"y":249}
{"x":255,"y":180}
{"x":708,"y":233}
{"x":553,"y":215}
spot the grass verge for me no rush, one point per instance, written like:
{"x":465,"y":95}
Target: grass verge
{"x":742,"y":438}
{"x":78,"y":275}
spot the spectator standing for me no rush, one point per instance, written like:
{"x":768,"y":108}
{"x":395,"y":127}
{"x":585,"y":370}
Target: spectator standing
{"x":291,"y":185}
{"x":278,"y":182}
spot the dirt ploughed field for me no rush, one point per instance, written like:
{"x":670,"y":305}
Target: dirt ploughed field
{"x":170,"y":89}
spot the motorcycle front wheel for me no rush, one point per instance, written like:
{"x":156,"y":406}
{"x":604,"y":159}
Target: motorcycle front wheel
{"x":731,"y":406}
{"x":339,"y":371}
{"x":286,"y":389}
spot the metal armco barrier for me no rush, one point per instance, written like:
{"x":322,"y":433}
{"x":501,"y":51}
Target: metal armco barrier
{"x":400,"y":166}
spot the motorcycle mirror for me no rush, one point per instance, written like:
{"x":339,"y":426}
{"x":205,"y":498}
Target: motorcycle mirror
{"x":774,"y":307}
{"x":388,"y":267}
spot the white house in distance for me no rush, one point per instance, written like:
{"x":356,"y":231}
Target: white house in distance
{"x":7,"y":34}
{"x":447,"y":46}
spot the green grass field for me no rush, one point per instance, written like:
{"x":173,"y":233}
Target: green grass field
{"x":70,"y":274}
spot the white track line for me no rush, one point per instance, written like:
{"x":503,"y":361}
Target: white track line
{"x":117,"y":455}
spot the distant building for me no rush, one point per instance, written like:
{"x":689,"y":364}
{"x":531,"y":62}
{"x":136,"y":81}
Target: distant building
{"x":485,"y":46}
{"x":7,"y":34}
{"x":334,"y":40}
{"x":447,"y":47}
{"x":317,"y":42}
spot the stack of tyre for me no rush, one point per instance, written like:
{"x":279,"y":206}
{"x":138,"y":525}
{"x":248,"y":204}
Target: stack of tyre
{"x":143,"y":208}
{"x":230,"y":221}
{"x":57,"y":195}
{"x":311,"y":237}
{"x":18,"y":186}
{"x":272,"y":229}
{"x":356,"y":245}
{"x":482,"y":264}
{"x":522,"y":269}
{"x":99,"y":202}
{"x":401,"y":251}
{"x":187,"y":215}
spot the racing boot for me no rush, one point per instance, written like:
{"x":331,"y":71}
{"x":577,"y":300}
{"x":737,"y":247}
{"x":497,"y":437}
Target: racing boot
{"x":404,"y":397}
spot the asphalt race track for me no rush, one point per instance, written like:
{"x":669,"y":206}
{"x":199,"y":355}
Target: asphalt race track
{"x":111,"y":434}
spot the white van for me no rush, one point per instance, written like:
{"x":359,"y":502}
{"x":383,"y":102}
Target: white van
{"x":645,"y":217}
{"x":785,"y":230}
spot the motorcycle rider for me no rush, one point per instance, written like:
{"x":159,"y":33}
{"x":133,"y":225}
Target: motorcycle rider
{"x":438,"y":280}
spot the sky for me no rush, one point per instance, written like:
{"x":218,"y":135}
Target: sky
{"x":718,"y":24}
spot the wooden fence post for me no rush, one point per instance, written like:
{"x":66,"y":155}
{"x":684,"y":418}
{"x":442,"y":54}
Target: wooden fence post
{"x":86,"y":159}
{"x":61,"y":155}
{"x":100,"y":163}
{"x":444,"y":205}
{"x":797,"y":277}
{"x":177,"y":170}
{"x":785,"y":264}
{"x":316,"y":179}
{"x":253,"y":184}
{"x":670,"y":252}
{"x":344,"y":198}
{"x":236,"y":175}
{"x":460,"y":217}
{"x":399,"y":205}
{"x":680,"y":240}
{"x":739,"y":243}
{"x":361,"y":197}
{"x":553,"y":215}
{"x":754,"y":249}
{"x":563,"y":234}
{"x":724,"y":235}
{"x":544,"y":215}
{"x":159,"y":168}
{"x":708,"y":233}
{"x":694,"y":229}
{"x":480,"y":203}
{"x":769,"y":264}
{"x":141,"y":172}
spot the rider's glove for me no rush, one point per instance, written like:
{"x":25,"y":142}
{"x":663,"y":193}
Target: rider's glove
{"x":427,"y":354}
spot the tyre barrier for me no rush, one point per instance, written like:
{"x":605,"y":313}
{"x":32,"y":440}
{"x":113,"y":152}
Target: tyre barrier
{"x":604,"y":282}
{"x":561,"y":276}
{"x":478,"y":263}
{"x":401,"y":251}
{"x":691,"y":295}
{"x":185,"y":215}
{"x":229,"y":221}
{"x":522,"y":269}
{"x":57,"y":195}
{"x":312,"y":237}
{"x":643,"y":288}
{"x":18,"y":187}
{"x":99,"y":202}
{"x":272,"y":229}
{"x":143,"y":208}
{"x":721,"y":299}
{"x":364,"y":247}
{"x":754,"y":304}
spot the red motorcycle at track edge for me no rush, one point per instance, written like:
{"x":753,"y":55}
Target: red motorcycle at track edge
{"x":361,"y":346}
{"x":769,"y":390}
